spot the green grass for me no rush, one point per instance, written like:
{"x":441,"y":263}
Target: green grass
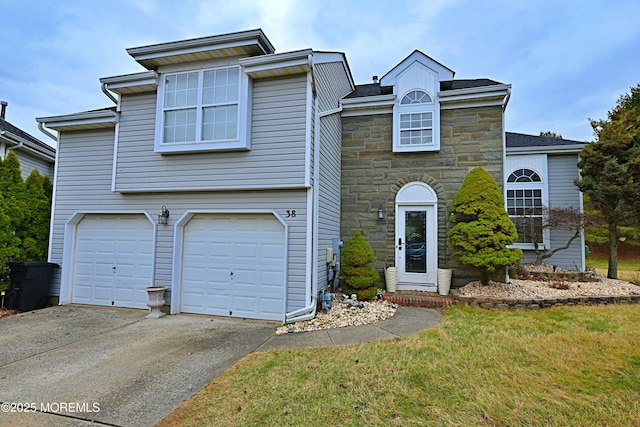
{"x":568,"y":366}
{"x":627,"y":270}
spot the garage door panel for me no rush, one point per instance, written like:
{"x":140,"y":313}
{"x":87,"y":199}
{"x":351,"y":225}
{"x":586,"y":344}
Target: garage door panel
{"x":100,"y":294}
{"x":240,"y":252}
{"x":192,"y":300}
{"x":268,"y":305}
{"x":113,"y":260}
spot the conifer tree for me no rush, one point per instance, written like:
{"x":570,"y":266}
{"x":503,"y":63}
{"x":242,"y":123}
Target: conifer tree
{"x":357,"y":276}
{"x":482,"y":229}
{"x":610,"y":169}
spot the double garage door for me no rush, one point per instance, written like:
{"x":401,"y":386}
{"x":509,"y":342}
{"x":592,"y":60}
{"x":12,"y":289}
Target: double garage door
{"x":230,"y":265}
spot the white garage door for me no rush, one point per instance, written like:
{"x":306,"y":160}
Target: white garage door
{"x":234,"y":265}
{"x":113,"y":260}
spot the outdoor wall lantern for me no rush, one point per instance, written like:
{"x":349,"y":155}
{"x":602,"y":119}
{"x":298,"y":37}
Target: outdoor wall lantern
{"x":380,"y":213}
{"x":163,"y":217}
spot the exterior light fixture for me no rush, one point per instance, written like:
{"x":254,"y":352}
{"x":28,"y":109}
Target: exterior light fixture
{"x":163,"y":216}
{"x":380,"y":213}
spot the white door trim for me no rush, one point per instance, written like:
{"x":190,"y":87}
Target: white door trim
{"x":417,"y":196}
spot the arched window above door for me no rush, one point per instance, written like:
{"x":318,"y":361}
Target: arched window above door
{"x":416,"y":192}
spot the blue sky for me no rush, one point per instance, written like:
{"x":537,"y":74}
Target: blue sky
{"x":567,"y":61}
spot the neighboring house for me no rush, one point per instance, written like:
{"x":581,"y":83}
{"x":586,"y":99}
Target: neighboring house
{"x":539,"y":173}
{"x":240,"y":147}
{"x":262,"y":163}
{"x":32,"y":153}
{"x":408,"y":141}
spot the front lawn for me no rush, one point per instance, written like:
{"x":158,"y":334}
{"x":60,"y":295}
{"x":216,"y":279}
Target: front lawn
{"x":566,"y":366}
{"x":627,"y":270}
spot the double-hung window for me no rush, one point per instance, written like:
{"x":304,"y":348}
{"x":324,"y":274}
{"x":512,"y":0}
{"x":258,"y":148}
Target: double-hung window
{"x":200,"y":110}
{"x":525,"y":205}
{"x":416,"y":129}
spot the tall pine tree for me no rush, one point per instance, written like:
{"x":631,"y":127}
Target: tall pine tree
{"x":610,"y":169}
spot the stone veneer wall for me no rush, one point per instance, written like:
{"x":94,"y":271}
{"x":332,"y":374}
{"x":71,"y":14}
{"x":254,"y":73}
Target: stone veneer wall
{"x":372,"y":175}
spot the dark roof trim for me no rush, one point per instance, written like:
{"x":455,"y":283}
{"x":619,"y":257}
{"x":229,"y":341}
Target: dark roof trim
{"x":375,"y":89}
{"x":519,"y":143}
{"x":7,"y":127}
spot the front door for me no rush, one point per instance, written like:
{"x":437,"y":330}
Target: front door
{"x":416,"y":246}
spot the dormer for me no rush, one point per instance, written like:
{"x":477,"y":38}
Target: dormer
{"x":416,"y":108}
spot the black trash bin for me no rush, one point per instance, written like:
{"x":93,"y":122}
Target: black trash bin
{"x":30,"y":284}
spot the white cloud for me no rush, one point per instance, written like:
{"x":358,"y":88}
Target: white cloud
{"x":567,"y":61}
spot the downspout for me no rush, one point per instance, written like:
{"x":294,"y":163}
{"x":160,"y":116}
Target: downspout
{"x":103,"y":86}
{"x":46,"y":132}
{"x":505,"y":101}
{"x":20,"y":145}
{"x":309,"y":312}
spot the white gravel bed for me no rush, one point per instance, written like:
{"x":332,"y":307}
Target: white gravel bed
{"x":342,"y":315}
{"x":524,"y":289}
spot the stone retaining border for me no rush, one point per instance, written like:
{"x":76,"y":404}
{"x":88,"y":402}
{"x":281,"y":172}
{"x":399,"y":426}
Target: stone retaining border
{"x":538,"y":303}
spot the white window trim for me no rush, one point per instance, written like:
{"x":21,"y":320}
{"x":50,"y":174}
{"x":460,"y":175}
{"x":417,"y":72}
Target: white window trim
{"x":542,"y":185}
{"x":242,"y":142}
{"x":432,"y":107}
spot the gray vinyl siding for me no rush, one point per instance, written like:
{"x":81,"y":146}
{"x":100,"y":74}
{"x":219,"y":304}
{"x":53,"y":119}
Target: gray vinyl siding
{"x":276,"y":159}
{"x":329,"y":203}
{"x":84,"y":184}
{"x":28,"y":163}
{"x":333,"y":84}
{"x":562,"y":170}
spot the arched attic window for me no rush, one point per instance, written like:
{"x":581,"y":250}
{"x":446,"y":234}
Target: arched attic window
{"x":416,"y":97}
{"x":416,"y":119}
{"x":524,"y":175}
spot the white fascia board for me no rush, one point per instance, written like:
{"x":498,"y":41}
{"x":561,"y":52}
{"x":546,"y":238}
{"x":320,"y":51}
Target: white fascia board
{"x":474,"y":93}
{"x":219,"y":41}
{"x":227,"y":44}
{"x":129,"y":83}
{"x":379,"y":104}
{"x":87,"y":120}
{"x":546,"y":149}
{"x":277,"y":64}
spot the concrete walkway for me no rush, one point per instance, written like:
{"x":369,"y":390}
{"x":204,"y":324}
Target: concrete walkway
{"x":75,"y":366}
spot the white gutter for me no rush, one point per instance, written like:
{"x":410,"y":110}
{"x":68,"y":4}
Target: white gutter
{"x":547,"y":149}
{"x":20,"y":143}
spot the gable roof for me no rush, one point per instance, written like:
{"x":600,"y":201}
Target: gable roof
{"x":523,"y":143}
{"x":416,"y":56}
{"x":10,"y":131}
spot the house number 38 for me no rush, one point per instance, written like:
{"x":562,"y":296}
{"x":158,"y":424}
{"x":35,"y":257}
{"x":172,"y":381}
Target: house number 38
{"x":291,"y":213}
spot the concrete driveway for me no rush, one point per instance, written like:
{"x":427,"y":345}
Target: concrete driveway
{"x":71,"y":365}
